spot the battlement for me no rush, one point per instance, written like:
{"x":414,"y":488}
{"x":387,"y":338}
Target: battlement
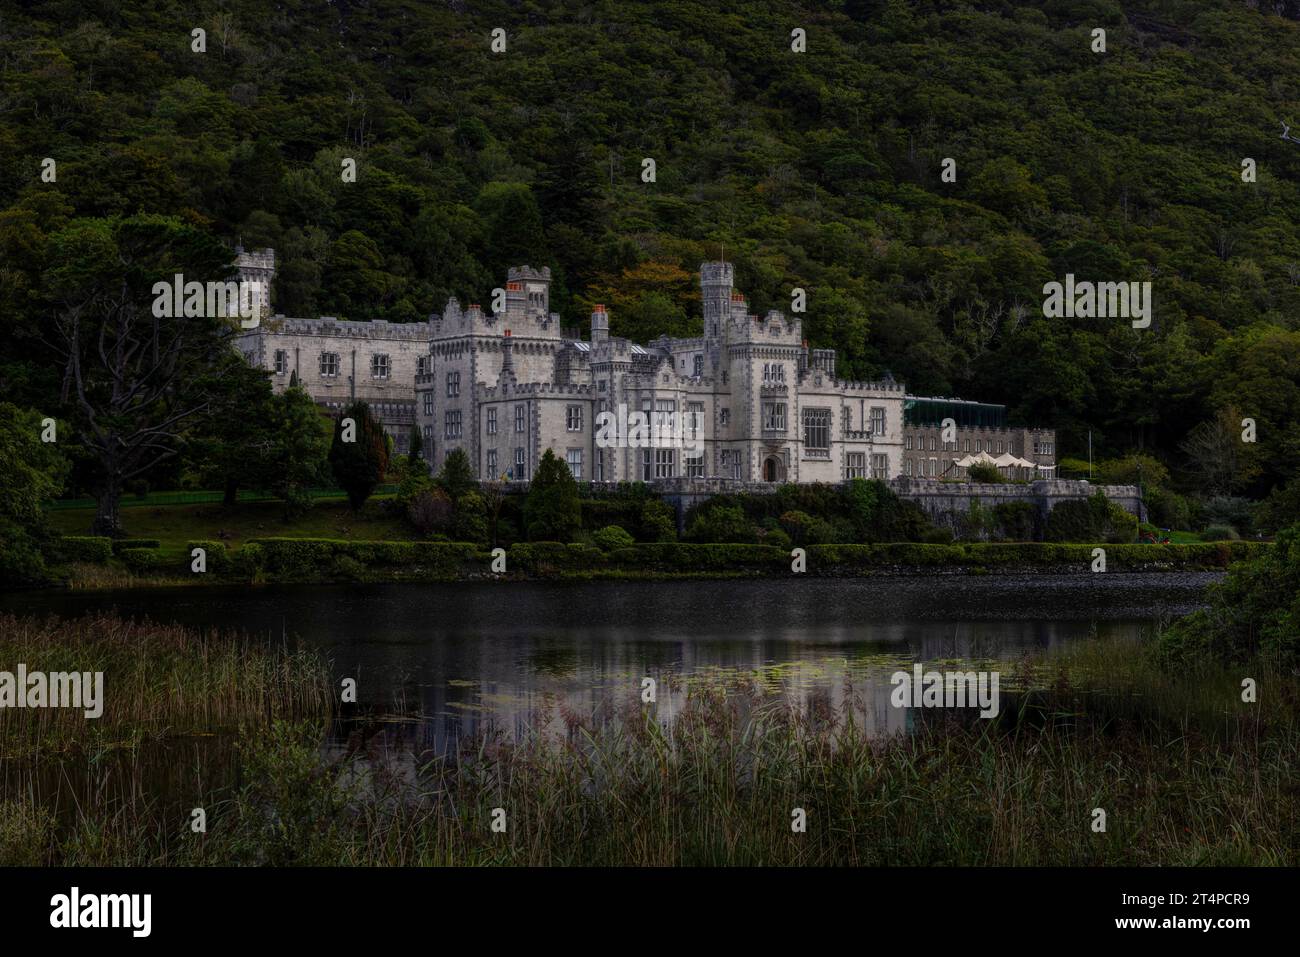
{"x":344,"y":329}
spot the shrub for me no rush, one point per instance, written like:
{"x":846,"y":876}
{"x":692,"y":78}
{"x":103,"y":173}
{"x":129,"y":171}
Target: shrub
{"x":1229,"y":510}
{"x":456,"y":477}
{"x":141,"y":560}
{"x":1016,"y":521}
{"x":250,"y":560}
{"x":776,"y":538}
{"x":1255,"y":609}
{"x":937,"y":536}
{"x":803,"y":529}
{"x":217,"y":558}
{"x":1220,"y":533}
{"x":469,"y":518}
{"x":430,"y":510}
{"x":984,"y":472}
{"x":722,"y":524}
{"x":1094,"y":519}
{"x":658,"y":522}
{"x":611,"y":537}
{"x":85,"y":548}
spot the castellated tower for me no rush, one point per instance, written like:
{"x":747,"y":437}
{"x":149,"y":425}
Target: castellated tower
{"x":257,"y":267}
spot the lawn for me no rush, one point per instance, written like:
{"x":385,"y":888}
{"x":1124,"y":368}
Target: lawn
{"x":174,"y":525}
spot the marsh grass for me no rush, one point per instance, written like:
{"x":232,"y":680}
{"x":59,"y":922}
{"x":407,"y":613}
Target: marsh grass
{"x":1187,"y":773}
{"x":159,"y":681}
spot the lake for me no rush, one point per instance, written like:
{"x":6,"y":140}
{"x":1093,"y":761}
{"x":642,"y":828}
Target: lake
{"x":462,"y":658}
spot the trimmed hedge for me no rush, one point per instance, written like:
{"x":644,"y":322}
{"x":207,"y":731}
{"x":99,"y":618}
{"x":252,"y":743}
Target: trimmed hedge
{"x":122,"y":544}
{"x":84,"y":548}
{"x":218,"y":559}
{"x":315,"y":559}
{"x":142,"y":560}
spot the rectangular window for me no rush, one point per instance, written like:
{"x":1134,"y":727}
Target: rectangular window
{"x":379,"y":366}
{"x":817,"y":431}
{"x":492,"y":420}
{"x":428,"y":403}
{"x":773,"y":416}
{"x":492,"y":465}
{"x":965,"y":445}
{"x":855,"y":465}
{"x":694,"y":419}
{"x":665,"y":460}
{"x":428,"y":437}
{"x":281,"y":362}
{"x":907,"y":468}
{"x":694,"y":466}
{"x":421,"y":365}
{"x":451,"y":424}
{"x":453,"y":384}
{"x":520,"y":468}
{"x":574,"y":458}
{"x":879,"y":466}
{"x":665,"y":413}
{"x":573,"y":418}
{"x":519,"y":418}
{"x":699,"y":366}
{"x":909,"y":443}
{"x":877,"y":420}
{"x":329,"y":363}
{"x":647,"y":465}
{"x":724,"y":416}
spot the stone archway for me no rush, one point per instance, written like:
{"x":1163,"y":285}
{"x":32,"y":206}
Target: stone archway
{"x":773,"y":470}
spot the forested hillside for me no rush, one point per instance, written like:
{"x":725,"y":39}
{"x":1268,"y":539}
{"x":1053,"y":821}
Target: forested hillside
{"x":818,"y":169}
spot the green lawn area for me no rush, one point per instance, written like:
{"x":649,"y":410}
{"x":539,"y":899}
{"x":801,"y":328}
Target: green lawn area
{"x":174,"y":525}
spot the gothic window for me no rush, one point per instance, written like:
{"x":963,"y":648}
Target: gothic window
{"x":817,"y":431}
{"x":773,"y":416}
{"x":699,"y":365}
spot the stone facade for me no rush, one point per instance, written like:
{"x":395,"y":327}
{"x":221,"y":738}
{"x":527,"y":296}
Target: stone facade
{"x":927,"y":456}
{"x":339,"y":362}
{"x":747,"y":401}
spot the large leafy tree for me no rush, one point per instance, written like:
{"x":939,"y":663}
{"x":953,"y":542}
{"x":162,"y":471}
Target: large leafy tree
{"x":298,"y":458}
{"x":132,"y":381}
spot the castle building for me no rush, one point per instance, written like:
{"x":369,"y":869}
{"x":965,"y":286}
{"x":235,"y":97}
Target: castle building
{"x":747,"y":401}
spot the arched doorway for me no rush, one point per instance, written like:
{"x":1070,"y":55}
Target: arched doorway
{"x":771,"y":469}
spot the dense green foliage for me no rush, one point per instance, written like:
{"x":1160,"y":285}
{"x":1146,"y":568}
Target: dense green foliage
{"x":819,"y":170}
{"x":33,"y":472}
{"x":1094,"y":519}
{"x":1254,"y":611}
{"x":552,"y":511}
{"x":358,"y":456}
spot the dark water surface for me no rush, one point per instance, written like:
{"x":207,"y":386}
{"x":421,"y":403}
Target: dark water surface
{"x":493,"y":655}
